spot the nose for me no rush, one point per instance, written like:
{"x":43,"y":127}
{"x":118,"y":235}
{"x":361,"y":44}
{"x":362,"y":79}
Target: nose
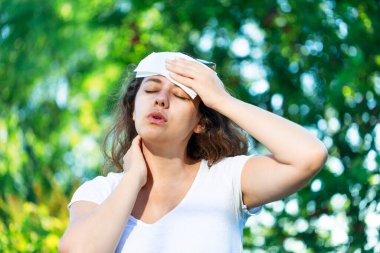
{"x":162,"y":100}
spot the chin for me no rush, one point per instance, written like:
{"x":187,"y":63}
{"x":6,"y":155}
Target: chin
{"x":151,"y":135}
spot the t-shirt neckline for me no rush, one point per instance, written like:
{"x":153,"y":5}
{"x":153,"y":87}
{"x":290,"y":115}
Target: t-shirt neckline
{"x":178,"y":206}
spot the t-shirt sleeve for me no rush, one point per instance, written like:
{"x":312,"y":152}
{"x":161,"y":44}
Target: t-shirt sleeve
{"x":95,"y":190}
{"x":236,"y":165}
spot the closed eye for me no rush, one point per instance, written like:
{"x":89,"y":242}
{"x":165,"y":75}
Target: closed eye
{"x":181,"y":96}
{"x":176,"y":94}
{"x":150,"y":91}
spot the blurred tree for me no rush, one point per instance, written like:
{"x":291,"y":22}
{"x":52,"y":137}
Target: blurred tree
{"x":314,"y":62}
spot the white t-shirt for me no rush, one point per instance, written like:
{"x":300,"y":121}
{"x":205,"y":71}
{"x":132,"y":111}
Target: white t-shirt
{"x":210,"y":218}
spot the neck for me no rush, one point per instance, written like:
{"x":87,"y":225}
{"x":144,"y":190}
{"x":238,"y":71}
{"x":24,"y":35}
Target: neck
{"x":166,"y":162}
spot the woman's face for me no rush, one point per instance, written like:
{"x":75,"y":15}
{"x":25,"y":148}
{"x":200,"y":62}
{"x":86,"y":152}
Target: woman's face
{"x":164,"y":112}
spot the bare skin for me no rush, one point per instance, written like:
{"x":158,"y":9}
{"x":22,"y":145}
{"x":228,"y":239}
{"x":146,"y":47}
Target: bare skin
{"x":296,"y":155}
{"x":158,"y":173}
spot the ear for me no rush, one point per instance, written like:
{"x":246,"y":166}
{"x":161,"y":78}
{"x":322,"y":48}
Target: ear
{"x":133,"y":115}
{"x":199,"y":128}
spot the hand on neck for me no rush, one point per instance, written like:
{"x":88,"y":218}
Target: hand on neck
{"x":166,"y":161}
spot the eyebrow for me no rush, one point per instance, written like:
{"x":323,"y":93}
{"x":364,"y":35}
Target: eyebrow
{"x":152,"y":79}
{"x":157,"y":80}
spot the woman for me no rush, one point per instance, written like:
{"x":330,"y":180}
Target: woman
{"x":186,"y":185}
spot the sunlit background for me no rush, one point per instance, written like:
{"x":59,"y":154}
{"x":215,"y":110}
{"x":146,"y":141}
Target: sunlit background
{"x":317,"y":63}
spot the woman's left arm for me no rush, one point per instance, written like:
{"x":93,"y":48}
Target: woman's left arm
{"x":296,"y":155}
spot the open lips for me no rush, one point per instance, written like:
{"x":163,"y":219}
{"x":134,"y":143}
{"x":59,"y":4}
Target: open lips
{"x":157,"y":118}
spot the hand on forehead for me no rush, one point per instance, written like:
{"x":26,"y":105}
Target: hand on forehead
{"x":154,"y":64}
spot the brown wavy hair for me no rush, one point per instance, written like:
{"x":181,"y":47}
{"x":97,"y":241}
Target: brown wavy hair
{"x":221,"y":137}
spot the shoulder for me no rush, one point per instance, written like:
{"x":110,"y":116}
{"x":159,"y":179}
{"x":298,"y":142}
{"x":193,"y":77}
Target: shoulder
{"x":112,"y":178}
{"x":109,"y":181}
{"x":98,"y":189}
{"x":229,"y":167}
{"x":233,"y":162}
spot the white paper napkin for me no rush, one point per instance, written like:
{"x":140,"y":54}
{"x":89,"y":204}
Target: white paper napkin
{"x":154,"y":64}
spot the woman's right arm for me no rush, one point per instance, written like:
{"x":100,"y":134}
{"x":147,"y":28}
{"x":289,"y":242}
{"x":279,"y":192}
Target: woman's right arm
{"x":98,"y":228}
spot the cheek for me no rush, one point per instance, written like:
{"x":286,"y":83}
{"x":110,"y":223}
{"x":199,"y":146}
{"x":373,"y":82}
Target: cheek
{"x":137,"y":107}
{"x":137,"y":112}
{"x":137,"y":120}
{"x":191,"y":117}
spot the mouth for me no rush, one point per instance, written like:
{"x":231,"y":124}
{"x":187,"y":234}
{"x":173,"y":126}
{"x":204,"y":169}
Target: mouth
{"x":157,"y":118}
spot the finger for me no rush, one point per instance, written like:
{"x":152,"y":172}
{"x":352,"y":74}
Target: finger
{"x":136,"y":140}
{"x":125,"y":158}
{"x":182,"y":79}
{"x":136,"y":143}
{"x":181,"y":68}
{"x":199,"y":67}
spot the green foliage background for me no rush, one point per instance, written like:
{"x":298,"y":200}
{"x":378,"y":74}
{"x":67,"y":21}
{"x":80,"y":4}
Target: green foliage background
{"x":61,"y":64}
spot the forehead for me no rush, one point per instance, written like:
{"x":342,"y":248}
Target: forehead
{"x":157,"y":79}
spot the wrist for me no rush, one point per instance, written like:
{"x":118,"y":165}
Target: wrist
{"x":221,"y":102}
{"x":134,"y":178}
